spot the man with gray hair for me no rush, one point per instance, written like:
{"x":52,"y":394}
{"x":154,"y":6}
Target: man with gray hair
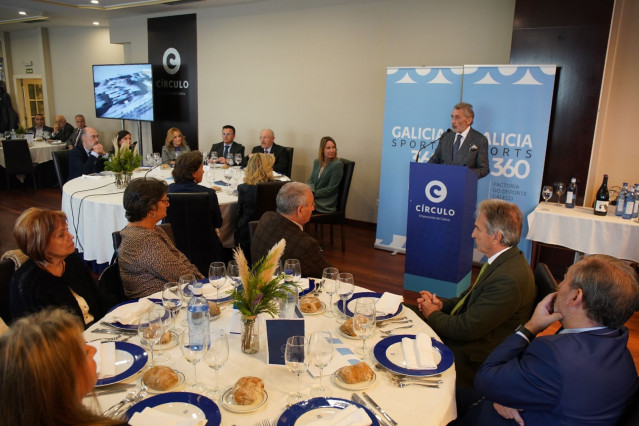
{"x":501,"y":298}
{"x":294,"y":207}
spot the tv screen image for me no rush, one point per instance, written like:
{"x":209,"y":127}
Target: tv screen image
{"x":123,"y":91}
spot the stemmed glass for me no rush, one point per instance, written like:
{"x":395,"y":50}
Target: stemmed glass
{"x":194,"y":345}
{"x":151,"y":328}
{"x":329,"y":284}
{"x":278,"y":268}
{"x":293,"y":270}
{"x":296,"y":358}
{"x":364,"y":320}
{"x":233,"y":272}
{"x":238,"y":158}
{"x":217,"y":277}
{"x":229,"y":159}
{"x":320,"y":349}
{"x":228,"y":175}
{"x":172,"y":300}
{"x":186,"y":283}
{"x":213,"y":158}
{"x":344,"y":291}
{"x":216,"y":356}
{"x":546,"y":193}
{"x":149,"y":159}
{"x":560,"y":189}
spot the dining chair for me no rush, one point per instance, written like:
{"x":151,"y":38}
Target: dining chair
{"x":110,"y":285}
{"x":61,"y":165}
{"x":544,"y":281}
{"x":338,"y":217}
{"x":266,"y":194}
{"x":117,"y":239}
{"x":7,"y":268}
{"x":252,"y":227}
{"x":17,"y":158}
{"x":290,"y":152}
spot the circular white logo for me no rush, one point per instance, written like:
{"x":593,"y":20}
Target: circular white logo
{"x":436,"y":191}
{"x":171,"y":60}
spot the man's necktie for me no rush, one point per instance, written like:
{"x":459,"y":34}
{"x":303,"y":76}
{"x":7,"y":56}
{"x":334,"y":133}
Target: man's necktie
{"x":456,"y":146}
{"x":226,"y":151}
{"x":266,"y":151}
{"x":463,"y":299}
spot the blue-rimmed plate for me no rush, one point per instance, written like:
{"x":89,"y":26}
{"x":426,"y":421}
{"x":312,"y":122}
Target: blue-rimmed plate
{"x":356,"y":296}
{"x":222,"y":299}
{"x":389,"y":353}
{"x":311,"y":287}
{"x":316,"y":408}
{"x":185,"y":404}
{"x":129,"y":359}
{"x":134,"y":326}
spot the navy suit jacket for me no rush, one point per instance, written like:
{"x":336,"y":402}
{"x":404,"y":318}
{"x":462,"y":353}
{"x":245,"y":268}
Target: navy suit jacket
{"x":563,"y":379}
{"x":64,"y":133}
{"x":236,"y":148}
{"x":81,"y":163}
{"x":476,"y":159}
{"x":281,"y":157}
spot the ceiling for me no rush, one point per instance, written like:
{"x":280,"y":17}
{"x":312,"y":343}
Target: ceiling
{"x":65,"y":13}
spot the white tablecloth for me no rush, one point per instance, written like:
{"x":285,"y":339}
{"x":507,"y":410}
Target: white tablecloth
{"x":579,"y":229}
{"x":40,"y":152}
{"x":409,"y":405}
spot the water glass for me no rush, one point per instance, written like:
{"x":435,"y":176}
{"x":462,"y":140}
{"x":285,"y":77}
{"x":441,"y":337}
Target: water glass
{"x":238,"y":158}
{"x":213,"y":158}
{"x":229,"y":159}
{"x":296,"y":358}
{"x":320,"y":349}
{"x":217,"y":277}
{"x":172,"y":300}
{"x":233,"y":272}
{"x":186,"y":285}
{"x":151,"y":328}
{"x":194,"y":345}
{"x":364,"y":320}
{"x":330,"y":284}
{"x":216,"y":356}
{"x":293,"y":270}
{"x":345,"y":290}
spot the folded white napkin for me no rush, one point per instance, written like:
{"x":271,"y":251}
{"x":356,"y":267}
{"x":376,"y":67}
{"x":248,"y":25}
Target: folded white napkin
{"x":104,"y":358}
{"x":303,"y":283}
{"x":129,"y":314}
{"x":349,"y":416}
{"x":153,"y":417}
{"x":418,"y":352}
{"x":94,"y":177}
{"x":388,"y":303}
{"x":210,"y":292}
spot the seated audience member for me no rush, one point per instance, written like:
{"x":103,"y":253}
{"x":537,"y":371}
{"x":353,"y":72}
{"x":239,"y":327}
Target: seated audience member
{"x":39,"y":129}
{"x":174,"y":146}
{"x":121,"y":138}
{"x":46,"y":368}
{"x":584,"y":374}
{"x":61,"y":130}
{"x":268,"y":146}
{"x":259,"y":169}
{"x":474,"y":323}
{"x":76,"y":136}
{"x":148,"y":258}
{"x":227,"y":146}
{"x":54,"y":275}
{"x":87,"y":157}
{"x":326,"y":176}
{"x":294,"y":208}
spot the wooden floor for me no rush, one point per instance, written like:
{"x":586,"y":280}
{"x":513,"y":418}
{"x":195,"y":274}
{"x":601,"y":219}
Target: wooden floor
{"x":377,"y":270}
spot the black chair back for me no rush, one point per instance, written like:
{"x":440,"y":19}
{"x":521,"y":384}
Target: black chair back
{"x":110,"y":285}
{"x":265,"y":197}
{"x":290,"y":160}
{"x":17,"y":158}
{"x":195,"y":236}
{"x":6,"y":272}
{"x":252,"y":227}
{"x":544,"y":280}
{"x":61,"y":165}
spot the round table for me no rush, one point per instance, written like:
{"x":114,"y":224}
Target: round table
{"x":40,"y":151}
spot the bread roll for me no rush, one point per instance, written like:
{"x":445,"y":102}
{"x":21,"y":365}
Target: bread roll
{"x":310,"y":304}
{"x":166,"y":338}
{"x":247,"y":390}
{"x":357,"y":373}
{"x":214,"y":310}
{"x":347,"y":328}
{"x":160,"y":378}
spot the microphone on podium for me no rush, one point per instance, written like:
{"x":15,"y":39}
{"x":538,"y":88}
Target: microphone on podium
{"x":430,"y":144}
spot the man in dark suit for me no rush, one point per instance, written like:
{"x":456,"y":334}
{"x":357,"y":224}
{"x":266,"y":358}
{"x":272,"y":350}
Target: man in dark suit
{"x":466,"y":146}
{"x":585,"y":373}
{"x":294,"y":207}
{"x":62,"y":130}
{"x":268,"y":146}
{"x":87,"y":157}
{"x":474,"y":323}
{"x":39,"y":128}
{"x":75,"y":138}
{"x":227,"y":146}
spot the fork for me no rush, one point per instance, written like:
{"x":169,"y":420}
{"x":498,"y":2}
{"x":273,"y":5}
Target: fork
{"x":390,"y":332}
{"x":129,"y":396}
{"x":403,"y":384}
{"x":392,"y":374}
{"x":407,"y":321}
{"x":137,"y":398}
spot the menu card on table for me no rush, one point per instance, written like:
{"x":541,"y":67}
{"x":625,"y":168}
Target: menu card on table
{"x":278,"y":330}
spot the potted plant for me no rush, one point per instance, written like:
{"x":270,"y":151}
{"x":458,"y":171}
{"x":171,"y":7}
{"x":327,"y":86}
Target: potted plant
{"x":122,"y":163}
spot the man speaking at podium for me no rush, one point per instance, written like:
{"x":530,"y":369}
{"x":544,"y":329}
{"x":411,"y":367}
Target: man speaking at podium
{"x":466,"y":146}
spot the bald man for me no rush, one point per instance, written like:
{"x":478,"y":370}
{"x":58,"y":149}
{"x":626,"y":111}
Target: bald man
{"x":268,"y":146}
{"x":87,"y":157}
{"x":62,"y":130}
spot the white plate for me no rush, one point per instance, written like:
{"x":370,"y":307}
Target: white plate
{"x":174,"y":341}
{"x":129,"y":359}
{"x":229,"y":404}
{"x":319,"y":311}
{"x":179,"y":385}
{"x":352,"y":386}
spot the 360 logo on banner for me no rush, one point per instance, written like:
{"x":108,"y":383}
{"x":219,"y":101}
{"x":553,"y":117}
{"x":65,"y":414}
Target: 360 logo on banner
{"x":171,"y":61}
{"x":436,"y":191}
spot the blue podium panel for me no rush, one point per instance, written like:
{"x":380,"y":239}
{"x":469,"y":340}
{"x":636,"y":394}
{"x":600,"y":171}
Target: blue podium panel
{"x":440,"y":221}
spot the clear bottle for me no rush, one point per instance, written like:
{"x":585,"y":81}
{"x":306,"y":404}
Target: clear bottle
{"x":197,"y":315}
{"x":630,"y":204}
{"x":635,"y":211}
{"x":571,"y":194}
{"x":602,"y":200}
{"x":621,"y":199}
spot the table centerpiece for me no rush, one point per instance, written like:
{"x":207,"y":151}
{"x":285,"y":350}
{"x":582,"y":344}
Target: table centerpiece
{"x":122,"y":163}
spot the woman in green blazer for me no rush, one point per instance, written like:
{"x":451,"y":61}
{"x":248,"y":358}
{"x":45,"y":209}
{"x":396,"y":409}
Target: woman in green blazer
{"x":326,"y":175}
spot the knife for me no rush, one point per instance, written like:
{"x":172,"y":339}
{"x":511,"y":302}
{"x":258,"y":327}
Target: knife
{"x":356,"y":398}
{"x":378,"y":408}
{"x":122,"y":330}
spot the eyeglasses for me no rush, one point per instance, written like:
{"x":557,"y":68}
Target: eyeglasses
{"x":165,"y":201}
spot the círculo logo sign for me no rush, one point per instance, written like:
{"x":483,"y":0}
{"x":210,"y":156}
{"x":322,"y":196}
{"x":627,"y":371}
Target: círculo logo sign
{"x":171,"y":60}
{"x":436,"y":192}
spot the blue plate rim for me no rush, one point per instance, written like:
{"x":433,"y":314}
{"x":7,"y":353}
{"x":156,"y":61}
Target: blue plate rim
{"x":209,"y":407}
{"x":302,"y":407}
{"x":311,"y":287}
{"x":133,"y":327}
{"x":448,"y":359}
{"x":369,"y":294}
{"x":140,"y":357}
{"x":222,"y":300}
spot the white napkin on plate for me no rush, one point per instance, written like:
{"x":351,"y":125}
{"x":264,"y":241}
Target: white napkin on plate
{"x":349,"y":416}
{"x":418,"y":352}
{"x":129,"y":314}
{"x":388,"y":303}
{"x":210,"y":292}
{"x":153,"y":417}
{"x":104,"y":358}
{"x":303,"y":284}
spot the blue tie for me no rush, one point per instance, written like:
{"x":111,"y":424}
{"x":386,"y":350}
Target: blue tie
{"x":456,"y":146}
{"x":226,"y":150}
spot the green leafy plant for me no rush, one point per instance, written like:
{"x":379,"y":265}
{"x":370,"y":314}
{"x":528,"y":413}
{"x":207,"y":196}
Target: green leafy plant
{"x":124,"y":160}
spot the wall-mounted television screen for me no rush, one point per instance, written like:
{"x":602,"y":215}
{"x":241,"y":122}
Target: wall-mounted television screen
{"x":123,"y":92}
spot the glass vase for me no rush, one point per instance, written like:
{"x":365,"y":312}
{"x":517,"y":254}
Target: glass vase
{"x":250,"y":335}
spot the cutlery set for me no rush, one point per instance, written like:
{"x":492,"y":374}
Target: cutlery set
{"x":402,"y":380}
{"x":130,"y":399}
{"x":371,"y":403}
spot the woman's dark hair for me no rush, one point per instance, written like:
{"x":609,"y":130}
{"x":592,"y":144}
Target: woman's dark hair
{"x":120,"y":135}
{"x":141,"y":195}
{"x":185,"y":165}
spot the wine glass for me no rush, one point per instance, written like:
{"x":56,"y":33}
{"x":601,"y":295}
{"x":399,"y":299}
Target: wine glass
{"x":217,"y":277}
{"x":296,"y":358}
{"x":149,"y":159}
{"x":293,"y":270}
{"x":216,"y":356}
{"x":320,"y":350}
{"x":329,"y":284}
{"x":151,"y":328}
{"x":238,"y":158}
{"x":228,"y":175}
{"x":172,"y":300}
{"x":213,"y":158}
{"x":560,"y":189}
{"x":186,"y":285}
{"x":229,"y":159}
{"x":233,"y":272}
{"x":344,"y":291}
{"x":364,"y":320}
{"x":278,"y":268}
{"x":194,"y":344}
{"x":546,"y":193}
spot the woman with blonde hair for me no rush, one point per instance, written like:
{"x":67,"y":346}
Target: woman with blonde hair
{"x":46,"y":369}
{"x":259,"y":169}
{"x":326,"y":176}
{"x":175,"y":144}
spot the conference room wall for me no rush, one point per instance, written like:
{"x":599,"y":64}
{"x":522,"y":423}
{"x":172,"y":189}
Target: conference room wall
{"x":308,"y":69}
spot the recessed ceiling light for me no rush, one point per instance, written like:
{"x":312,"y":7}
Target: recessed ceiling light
{"x":22,"y":12}
{"x":96,"y":23}
{"x":95,"y":2}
